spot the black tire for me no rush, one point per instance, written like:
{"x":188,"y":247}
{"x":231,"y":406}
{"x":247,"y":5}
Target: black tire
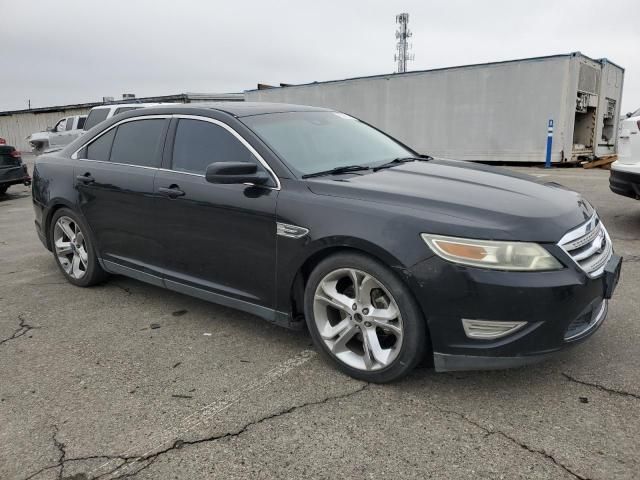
{"x":414,"y":338}
{"x":3,"y":189}
{"x":94,"y":273}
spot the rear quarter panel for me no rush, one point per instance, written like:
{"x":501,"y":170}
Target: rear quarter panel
{"x":53,"y":187}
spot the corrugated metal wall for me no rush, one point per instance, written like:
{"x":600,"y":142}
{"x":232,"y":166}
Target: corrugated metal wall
{"x":492,"y":112}
{"x":17,"y":127}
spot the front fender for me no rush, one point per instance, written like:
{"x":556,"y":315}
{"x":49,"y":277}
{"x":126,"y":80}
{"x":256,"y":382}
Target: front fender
{"x":384,"y":232}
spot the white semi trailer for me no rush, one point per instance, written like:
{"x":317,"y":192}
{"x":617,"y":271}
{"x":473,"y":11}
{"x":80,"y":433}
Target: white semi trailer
{"x":492,"y":112}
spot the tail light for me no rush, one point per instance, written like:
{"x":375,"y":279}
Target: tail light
{"x":3,"y":141}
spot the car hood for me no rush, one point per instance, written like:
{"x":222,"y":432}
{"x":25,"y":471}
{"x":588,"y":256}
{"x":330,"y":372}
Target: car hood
{"x":464,"y":199}
{"x":38,"y":136}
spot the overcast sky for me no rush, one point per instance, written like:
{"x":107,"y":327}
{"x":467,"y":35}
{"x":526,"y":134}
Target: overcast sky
{"x":61,"y":51}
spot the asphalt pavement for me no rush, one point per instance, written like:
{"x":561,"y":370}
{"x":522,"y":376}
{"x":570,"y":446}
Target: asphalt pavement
{"x":130,"y":380}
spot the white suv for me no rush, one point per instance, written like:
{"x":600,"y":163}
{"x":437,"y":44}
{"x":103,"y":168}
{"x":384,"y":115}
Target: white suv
{"x":625,"y":172}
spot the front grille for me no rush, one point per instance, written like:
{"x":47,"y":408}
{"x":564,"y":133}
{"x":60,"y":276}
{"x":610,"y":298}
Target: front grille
{"x":585,"y":323}
{"x":589,"y":246}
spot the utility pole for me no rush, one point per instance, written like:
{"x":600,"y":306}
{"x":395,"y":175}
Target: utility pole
{"x":403,"y":47}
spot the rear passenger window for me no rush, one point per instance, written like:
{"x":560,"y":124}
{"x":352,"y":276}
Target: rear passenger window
{"x":198,"y":144}
{"x":138,"y":143}
{"x":81,"y":122}
{"x":69,"y":123}
{"x":100,"y":148}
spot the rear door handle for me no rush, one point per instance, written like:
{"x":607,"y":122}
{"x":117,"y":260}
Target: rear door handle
{"x":172,"y":192}
{"x":86,"y":178}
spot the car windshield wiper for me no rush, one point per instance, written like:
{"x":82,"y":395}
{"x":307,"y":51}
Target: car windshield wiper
{"x":337,"y":170}
{"x":401,"y":160}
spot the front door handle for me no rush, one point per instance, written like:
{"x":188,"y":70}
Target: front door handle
{"x":172,"y":192}
{"x":86,"y":178}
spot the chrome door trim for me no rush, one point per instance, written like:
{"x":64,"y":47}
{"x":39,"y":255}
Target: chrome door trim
{"x":180,"y":171}
{"x":230,"y":129}
{"x":242,"y":140}
{"x":74,"y":155}
{"x":118,"y":163}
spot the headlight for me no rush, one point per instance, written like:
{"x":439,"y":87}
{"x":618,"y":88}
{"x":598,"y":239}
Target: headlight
{"x":492,"y":254}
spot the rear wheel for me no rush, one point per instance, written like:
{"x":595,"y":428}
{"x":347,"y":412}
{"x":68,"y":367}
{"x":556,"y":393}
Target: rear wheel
{"x":364,"y":318}
{"x":3,"y":189}
{"x":73,"y":250}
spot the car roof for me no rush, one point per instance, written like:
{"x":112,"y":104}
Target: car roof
{"x":139,"y":105}
{"x":236,"y":109}
{"x":245,"y":109}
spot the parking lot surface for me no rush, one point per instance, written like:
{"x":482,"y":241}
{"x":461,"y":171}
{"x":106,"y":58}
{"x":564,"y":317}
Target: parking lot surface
{"x":129,"y":380}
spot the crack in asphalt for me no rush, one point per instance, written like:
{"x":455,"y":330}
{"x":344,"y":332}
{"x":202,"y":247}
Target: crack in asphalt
{"x":179,"y":443}
{"x":66,"y":460}
{"x":631,"y":258}
{"x":489,"y":431}
{"x":601,"y":387}
{"x":22,"y":329}
{"x":61,"y":459}
{"x":146,"y":461}
{"x":61,"y":448}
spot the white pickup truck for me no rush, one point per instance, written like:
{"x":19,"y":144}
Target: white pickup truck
{"x":625,"y":172}
{"x":65,"y":131}
{"x":69,"y":128}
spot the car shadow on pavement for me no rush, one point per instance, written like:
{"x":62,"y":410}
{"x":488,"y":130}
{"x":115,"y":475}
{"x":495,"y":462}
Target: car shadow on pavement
{"x":14,"y":195}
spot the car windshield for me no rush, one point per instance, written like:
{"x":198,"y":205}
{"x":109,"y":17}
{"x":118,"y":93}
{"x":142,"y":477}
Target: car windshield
{"x":311,"y":142}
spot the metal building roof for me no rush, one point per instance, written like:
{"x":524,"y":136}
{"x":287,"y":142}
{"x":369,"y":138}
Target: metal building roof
{"x":414,"y":72}
{"x":178,"y":98}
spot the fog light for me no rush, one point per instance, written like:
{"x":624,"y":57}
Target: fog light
{"x":487,"y":329}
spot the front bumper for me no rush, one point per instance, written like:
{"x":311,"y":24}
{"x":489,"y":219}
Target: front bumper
{"x":560,"y":308}
{"x":625,"y":183}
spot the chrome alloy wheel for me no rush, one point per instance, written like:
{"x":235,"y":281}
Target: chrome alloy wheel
{"x":358,"y":319}
{"x":71,"y":248}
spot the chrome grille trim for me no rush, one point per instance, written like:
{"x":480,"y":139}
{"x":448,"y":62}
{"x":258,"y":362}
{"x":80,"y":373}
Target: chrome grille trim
{"x":589,"y":246}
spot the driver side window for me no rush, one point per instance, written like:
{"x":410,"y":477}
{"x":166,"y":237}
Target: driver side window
{"x":198,"y":144}
{"x":60,"y":126}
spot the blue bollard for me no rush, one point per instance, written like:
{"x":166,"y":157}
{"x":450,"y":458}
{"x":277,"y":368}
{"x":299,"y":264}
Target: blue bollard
{"x":547,"y":163}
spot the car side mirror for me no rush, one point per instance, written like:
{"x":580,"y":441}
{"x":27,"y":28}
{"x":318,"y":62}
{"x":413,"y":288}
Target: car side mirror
{"x":235,"y":172}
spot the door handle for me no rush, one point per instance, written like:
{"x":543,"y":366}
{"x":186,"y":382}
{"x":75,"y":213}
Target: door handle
{"x":172,"y":192}
{"x":86,"y":178}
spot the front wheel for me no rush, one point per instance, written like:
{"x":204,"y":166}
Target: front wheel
{"x":364,"y":318}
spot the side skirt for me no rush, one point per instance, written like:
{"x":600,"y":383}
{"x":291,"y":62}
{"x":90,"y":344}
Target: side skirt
{"x":273,"y":316}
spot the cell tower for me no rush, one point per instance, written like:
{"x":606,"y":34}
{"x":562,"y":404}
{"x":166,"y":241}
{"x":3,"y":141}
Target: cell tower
{"x":403,"y":47}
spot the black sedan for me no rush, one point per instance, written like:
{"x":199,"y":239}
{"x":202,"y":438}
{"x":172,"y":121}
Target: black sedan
{"x":301,"y":214}
{"x":12,"y":170}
